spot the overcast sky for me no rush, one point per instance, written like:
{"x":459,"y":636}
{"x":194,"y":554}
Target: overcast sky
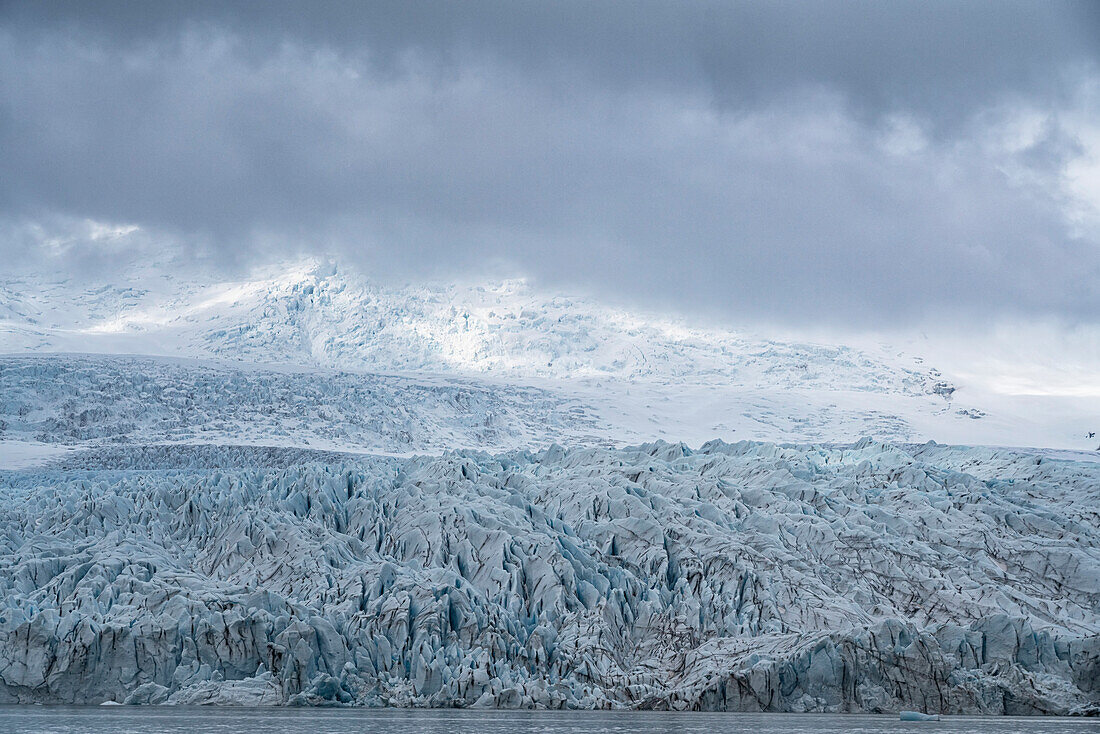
{"x":870,"y":164}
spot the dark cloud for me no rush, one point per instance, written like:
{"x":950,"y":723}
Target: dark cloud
{"x":939,"y":55}
{"x":825,"y":162}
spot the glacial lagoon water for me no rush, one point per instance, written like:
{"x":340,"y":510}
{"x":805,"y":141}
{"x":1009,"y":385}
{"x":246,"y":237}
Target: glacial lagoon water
{"x":183,"y":720}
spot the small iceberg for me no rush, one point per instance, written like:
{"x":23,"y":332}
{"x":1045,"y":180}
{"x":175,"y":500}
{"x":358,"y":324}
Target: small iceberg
{"x":918,"y":716}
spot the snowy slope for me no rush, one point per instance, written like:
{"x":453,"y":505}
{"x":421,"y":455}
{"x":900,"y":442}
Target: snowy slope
{"x":749,"y":576}
{"x":635,"y":376}
{"x":314,"y":314}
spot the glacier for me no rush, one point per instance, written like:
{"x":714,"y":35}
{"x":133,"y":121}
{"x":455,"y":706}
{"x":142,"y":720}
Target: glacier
{"x":642,"y":374}
{"x":93,"y":401}
{"x":307,"y":488}
{"x":750,"y":576}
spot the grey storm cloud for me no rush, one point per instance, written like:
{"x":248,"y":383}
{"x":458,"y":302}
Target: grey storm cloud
{"x":824,"y":162}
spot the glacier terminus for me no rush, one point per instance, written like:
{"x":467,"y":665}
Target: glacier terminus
{"x":750,"y":576}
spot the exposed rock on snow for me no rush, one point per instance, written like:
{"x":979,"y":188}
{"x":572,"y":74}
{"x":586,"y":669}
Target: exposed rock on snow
{"x":749,"y":576}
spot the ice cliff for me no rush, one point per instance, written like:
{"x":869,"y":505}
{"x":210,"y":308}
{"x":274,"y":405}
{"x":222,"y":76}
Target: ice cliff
{"x":747,"y":576}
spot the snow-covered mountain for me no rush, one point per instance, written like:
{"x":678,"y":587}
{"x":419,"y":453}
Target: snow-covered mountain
{"x":318,"y":315}
{"x":628,"y":376}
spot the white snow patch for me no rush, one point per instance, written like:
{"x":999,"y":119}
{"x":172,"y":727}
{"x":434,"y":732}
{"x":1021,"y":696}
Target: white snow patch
{"x":16,"y":454}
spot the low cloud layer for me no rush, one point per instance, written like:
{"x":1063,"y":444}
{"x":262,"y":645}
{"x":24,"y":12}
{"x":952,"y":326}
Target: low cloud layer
{"x":862,"y":164}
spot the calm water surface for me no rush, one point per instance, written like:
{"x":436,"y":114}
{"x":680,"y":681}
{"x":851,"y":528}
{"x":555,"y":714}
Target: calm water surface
{"x":127,"y":720}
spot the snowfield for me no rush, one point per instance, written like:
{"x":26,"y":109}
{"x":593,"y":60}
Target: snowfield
{"x":750,"y":576}
{"x":636,"y":376}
